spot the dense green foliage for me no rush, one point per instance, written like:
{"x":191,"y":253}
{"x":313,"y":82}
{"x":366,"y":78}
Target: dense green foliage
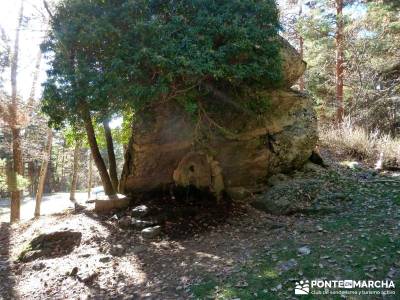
{"x":114,"y":54}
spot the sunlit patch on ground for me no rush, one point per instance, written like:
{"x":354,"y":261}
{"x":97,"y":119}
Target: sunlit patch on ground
{"x":97,"y":272}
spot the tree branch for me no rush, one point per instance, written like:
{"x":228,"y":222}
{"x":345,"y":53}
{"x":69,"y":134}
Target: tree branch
{"x":220,"y":95}
{"x":46,"y":6}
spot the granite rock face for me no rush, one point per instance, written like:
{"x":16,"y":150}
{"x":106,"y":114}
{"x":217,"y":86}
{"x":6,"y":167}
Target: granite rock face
{"x":223,"y":148}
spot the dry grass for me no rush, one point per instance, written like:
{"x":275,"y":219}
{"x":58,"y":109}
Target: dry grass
{"x":361,"y":144}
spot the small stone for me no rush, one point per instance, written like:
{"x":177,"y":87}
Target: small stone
{"x":117,"y":250}
{"x":90,"y":278}
{"x":278,"y":287}
{"x":305,"y":250}
{"x":393,"y":273}
{"x":151,"y":232}
{"x":74,"y":271}
{"x":140,"y":211}
{"x":38,"y":266}
{"x":140,"y":224}
{"x":351,"y":164}
{"x":105,"y":259}
{"x":85,"y":255}
{"x":277,"y":179}
{"x":242,"y":284}
{"x":125,"y":222}
{"x":286,"y":265}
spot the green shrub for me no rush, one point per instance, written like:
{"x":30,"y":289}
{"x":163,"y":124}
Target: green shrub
{"x":117,"y":53}
{"x":360,"y":143}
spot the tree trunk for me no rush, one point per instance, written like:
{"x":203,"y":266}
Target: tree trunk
{"x":31,"y":101}
{"x":61,"y":183}
{"x":31,"y":174}
{"x":13,"y":189}
{"x":90,"y":175}
{"x":98,"y":160}
{"x":43,"y":173}
{"x":301,"y":80}
{"x":75,"y":172}
{"x":18,"y":170}
{"x":301,"y":47}
{"x":339,"y":61}
{"x":111,"y":155}
{"x":56,"y":177}
{"x":15,"y":129}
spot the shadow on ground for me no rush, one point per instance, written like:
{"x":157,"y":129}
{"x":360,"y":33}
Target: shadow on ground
{"x":6,"y":275}
{"x":198,"y":238}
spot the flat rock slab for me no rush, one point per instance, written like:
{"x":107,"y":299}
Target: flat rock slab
{"x":51,"y":244}
{"x":106,"y":203}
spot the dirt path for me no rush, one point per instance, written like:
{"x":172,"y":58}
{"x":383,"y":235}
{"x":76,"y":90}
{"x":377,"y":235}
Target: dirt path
{"x":51,"y":204}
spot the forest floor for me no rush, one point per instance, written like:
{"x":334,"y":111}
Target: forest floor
{"x":244,"y":254}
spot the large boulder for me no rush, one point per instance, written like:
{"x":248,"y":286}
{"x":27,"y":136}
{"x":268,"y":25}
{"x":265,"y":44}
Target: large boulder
{"x":293,"y":67}
{"x":289,"y":196}
{"x":225,"y":147}
{"x":301,"y":195}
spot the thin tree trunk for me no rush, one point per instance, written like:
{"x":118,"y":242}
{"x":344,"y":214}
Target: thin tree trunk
{"x":339,"y":60}
{"x":62,"y":163}
{"x":75,"y":172}
{"x":30,"y":106}
{"x":31,"y":174}
{"x":98,"y":160}
{"x":18,"y":170}
{"x":12,"y":187}
{"x":90,"y":175}
{"x":301,"y":46}
{"x":15,"y":129}
{"x":56,"y":177}
{"x":111,"y":155}
{"x":43,"y":173}
{"x":31,"y":101}
{"x":301,"y":80}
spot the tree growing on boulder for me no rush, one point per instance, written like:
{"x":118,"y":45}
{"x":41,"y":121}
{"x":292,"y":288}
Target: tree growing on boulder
{"x":107,"y":56}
